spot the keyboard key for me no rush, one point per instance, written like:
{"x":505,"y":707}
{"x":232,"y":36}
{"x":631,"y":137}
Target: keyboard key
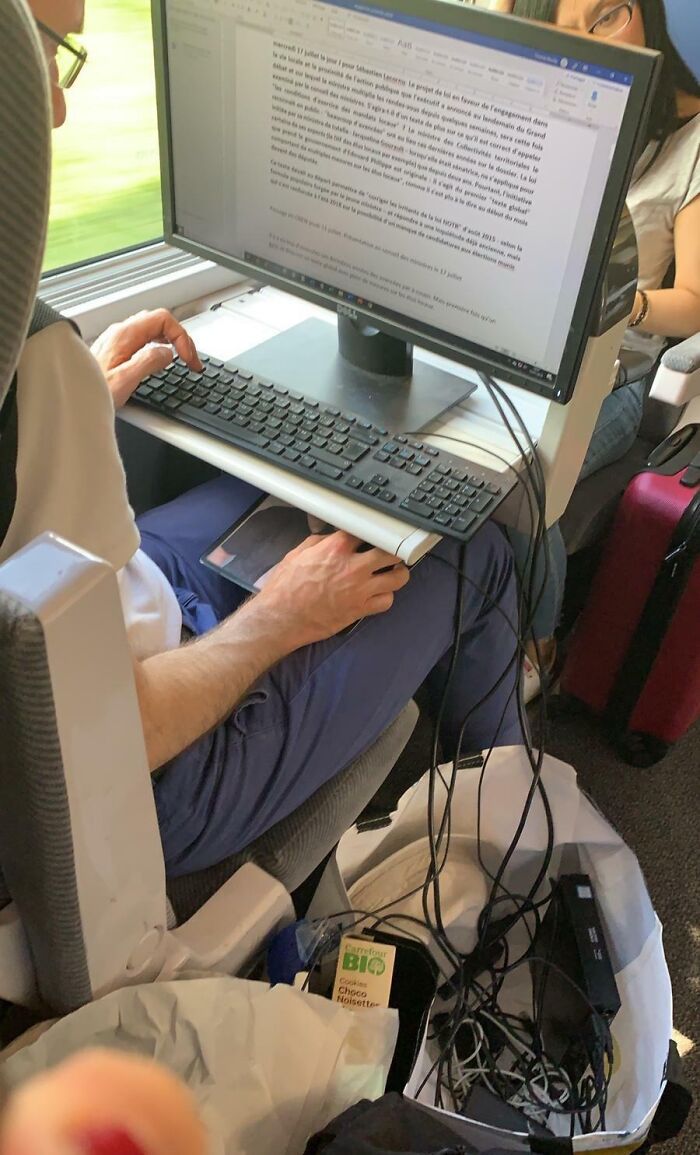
{"x":318,"y":441}
{"x":328,"y":470}
{"x":212,"y":373}
{"x":302,"y":446}
{"x":245,"y":375}
{"x":460,"y":474}
{"x":354,"y":451}
{"x":416,"y":444}
{"x":381,"y":456}
{"x":413,"y":468}
{"x":362,"y":434}
{"x":212,"y":407}
{"x":292,"y":454}
{"x":379,"y":479}
{"x":307,"y":462}
{"x":452,"y":509}
{"x":195,"y":378}
{"x":417,"y":508}
{"x":421,"y":459}
{"x":462,"y":524}
{"x":276,"y":447}
{"x":480,"y":503}
{"x":491,"y":488}
{"x":215,"y":362}
{"x":233,"y":430}
{"x":387,"y":496}
{"x":354,"y":482}
{"x":427,"y":486}
{"x":285,"y":439}
{"x":328,"y":458}
{"x":144,"y":390}
{"x":407,"y":454}
{"x":477,"y":482}
{"x":430,"y":450}
{"x":326,"y":420}
{"x":444,"y":469}
{"x":370,"y":488}
{"x":342,"y":427}
{"x":158,"y":397}
{"x":451,"y":485}
{"x":169,"y":389}
{"x":273,"y":423}
{"x":434,"y":502}
{"x":172,"y":403}
{"x":441,"y":491}
{"x":443,"y":519}
{"x":400,"y":437}
{"x":391,"y":447}
{"x":280,"y":390}
{"x":257,"y":426}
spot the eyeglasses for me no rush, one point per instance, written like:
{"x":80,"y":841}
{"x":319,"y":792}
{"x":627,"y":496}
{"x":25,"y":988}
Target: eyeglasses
{"x":614,"y":21}
{"x":70,"y":55}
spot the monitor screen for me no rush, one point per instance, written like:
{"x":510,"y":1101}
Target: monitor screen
{"x":454,"y":175}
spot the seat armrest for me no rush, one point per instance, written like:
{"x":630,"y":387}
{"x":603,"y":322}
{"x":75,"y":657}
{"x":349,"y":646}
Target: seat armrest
{"x":228,"y":932}
{"x":677,"y":379}
{"x":79,"y":841}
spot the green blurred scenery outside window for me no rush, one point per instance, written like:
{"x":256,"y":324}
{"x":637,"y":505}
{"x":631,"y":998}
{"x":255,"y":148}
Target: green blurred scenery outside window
{"x":106,"y":172}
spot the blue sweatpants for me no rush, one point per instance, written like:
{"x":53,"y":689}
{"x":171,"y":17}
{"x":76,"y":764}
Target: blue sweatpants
{"x":321,"y":707}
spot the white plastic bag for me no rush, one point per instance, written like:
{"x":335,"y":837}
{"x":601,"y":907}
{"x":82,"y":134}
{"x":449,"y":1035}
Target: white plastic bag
{"x":268,"y":1066}
{"x":584,"y":842}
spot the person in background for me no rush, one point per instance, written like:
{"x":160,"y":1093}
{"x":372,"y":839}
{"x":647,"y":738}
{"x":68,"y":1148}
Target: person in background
{"x":664,"y":202}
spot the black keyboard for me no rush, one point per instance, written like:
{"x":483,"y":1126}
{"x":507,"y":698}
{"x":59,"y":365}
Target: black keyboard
{"x":395,"y":473}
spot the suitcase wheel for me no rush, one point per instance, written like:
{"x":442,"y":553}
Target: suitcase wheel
{"x":641,"y":750}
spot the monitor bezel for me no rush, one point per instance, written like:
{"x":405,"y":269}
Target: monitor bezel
{"x":643,"y":64}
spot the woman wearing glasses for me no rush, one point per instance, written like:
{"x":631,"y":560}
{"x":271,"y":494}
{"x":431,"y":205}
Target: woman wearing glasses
{"x":664,"y":202}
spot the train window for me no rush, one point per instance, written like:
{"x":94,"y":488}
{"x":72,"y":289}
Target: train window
{"x":106,"y":172}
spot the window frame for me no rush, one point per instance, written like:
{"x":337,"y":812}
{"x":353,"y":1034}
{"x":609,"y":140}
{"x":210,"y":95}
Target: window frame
{"x":99,"y":292}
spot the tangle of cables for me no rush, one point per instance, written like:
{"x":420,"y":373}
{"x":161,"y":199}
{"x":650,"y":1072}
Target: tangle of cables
{"x":473,"y":1040}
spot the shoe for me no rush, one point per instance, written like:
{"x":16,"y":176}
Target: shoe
{"x":530,"y":681}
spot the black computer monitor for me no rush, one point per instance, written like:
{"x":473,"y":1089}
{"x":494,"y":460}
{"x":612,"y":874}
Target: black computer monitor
{"x":436,"y":174}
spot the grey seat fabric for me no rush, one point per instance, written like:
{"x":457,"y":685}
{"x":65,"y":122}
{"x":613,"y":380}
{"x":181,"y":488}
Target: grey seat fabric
{"x":36,"y":845}
{"x":24,"y":183}
{"x":24,"y":178}
{"x":291,"y":850}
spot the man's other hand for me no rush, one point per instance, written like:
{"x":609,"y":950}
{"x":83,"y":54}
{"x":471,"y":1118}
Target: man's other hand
{"x":326,"y":584}
{"x":143,"y":344}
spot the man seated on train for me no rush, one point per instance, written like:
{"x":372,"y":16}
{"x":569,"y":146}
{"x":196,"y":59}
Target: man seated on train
{"x":271,"y":696}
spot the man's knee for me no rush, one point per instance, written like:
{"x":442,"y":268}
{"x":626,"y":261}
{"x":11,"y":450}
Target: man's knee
{"x":488,"y":559}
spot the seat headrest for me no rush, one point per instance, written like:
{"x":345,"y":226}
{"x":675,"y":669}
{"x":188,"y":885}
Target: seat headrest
{"x":25,"y":162}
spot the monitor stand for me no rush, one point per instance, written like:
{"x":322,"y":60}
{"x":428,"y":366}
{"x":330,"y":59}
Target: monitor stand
{"x":359,"y":370}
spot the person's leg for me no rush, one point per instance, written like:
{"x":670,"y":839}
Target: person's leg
{"x":548,"y":578}
{"x":614,"y":434}
{"x":177,"y":534}
{"x":616,"y":429}
{"x":323,"y":706}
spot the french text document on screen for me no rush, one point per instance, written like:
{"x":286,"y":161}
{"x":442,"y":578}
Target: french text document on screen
{"x":434,"y":174}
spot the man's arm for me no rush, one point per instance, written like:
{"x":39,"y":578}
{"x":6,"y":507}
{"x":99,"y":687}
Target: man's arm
{"x":318,"y":590}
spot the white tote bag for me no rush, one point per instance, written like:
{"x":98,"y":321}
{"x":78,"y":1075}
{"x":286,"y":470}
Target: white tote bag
{"x":584,"y":842}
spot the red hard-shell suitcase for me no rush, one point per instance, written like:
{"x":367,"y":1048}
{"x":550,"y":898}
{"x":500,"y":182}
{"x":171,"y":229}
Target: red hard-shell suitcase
{"x":635,"y":654}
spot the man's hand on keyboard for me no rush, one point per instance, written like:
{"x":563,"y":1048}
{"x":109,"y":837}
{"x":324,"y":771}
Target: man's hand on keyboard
{"x":326,"y":584}
{"x":143,"y":344}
